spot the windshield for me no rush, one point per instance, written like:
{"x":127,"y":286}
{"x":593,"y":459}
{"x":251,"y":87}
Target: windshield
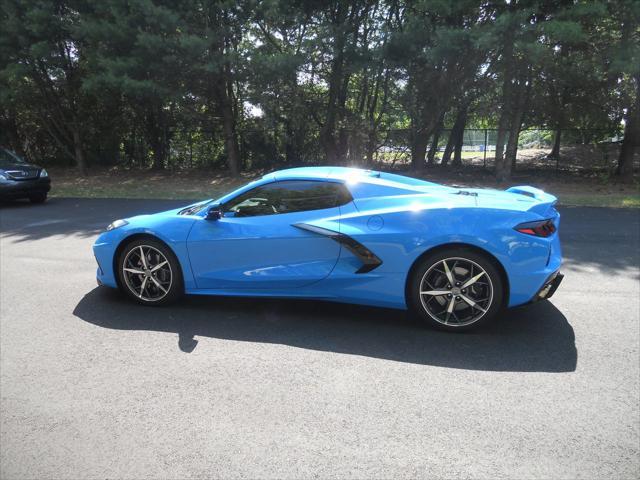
{"x":8,"y":158}
{"x":198,"y":207}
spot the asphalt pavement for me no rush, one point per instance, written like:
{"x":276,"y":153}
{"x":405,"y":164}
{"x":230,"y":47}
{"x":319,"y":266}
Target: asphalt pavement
{"x":93,"y":386}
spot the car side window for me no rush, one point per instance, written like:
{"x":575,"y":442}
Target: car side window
{"x":288,"y":197}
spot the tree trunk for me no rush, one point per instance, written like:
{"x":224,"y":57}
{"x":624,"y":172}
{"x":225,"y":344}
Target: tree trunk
{"x":419,"y":148}
{"x":555,"y":151}
{"x":500,"y":141}
{"x":431,"y":156}
{"x":631,"y":139}
{"x":230,"y":137}
{"x":155,"y":134}
{"x":512,"y":148}
{"x":562,"y":101}
{"x":446,"y":155}
{"x":291,"y":151}
{"x":223,"y":93}
{"x":426,"y":114}
{"x":371,"y":150}
{"x":458,"y":138}
{"x":328,"y":138}
{"x":511,"y":151}
{"x":457,"y":150}
{"x":522,"y":104}
{"x":428,"y":121}
{"x":78,"y":152}
{"x":509,"y":69}
{"x":158,"y":153}
{"x":625,"y":159}
{"x":506,"y":163}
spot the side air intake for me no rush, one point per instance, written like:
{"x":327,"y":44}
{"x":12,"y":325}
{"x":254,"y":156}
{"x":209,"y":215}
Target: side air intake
{"x":369,"y":259}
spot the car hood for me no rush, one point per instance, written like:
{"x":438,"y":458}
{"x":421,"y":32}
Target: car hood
{"x":15,"y":167}
{"x":186,"y":211}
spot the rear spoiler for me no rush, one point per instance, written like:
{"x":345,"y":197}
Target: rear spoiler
{"x":544,"y":200}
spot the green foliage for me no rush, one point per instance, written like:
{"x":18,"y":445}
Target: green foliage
{"x":195,"y":83}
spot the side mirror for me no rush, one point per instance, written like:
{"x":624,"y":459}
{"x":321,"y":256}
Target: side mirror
{"x":214,"y":213}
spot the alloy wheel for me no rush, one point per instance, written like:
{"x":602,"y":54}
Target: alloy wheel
{"x":147,"y":273}
{"x":456,"y":292}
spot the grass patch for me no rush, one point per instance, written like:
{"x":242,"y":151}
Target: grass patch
{"x":200,"y":185}
{"x":143,"y":184}
{"x":600,"y":200}
{"x":124,"y":191}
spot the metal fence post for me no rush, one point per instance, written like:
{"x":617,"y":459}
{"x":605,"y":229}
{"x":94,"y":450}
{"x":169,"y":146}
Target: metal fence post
{"x":485,"y":147}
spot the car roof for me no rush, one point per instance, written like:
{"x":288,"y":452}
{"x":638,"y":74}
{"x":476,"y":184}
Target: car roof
{"x":322,"y":173}
{"x":349,"y":175}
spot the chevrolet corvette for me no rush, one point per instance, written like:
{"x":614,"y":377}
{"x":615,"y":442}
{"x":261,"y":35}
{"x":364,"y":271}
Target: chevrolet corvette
{"x":454,"y":256}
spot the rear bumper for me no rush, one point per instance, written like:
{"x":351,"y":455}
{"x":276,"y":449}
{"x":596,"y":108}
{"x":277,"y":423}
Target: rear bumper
{"x":24,"y":188}
{"x":549,"y":287}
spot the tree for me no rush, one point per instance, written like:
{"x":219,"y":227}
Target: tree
{"x":437,"y":47}
{"x":218,"y":26}
{"x":454,"y":145}
{"x":340,"y":27}
{"x":514,"y":29}
{"x":281,"y":84}
{"x":138,"y":50}
{"x":631,"y":140}
{"x":43,"y":64}
{"x":625,"y":67}
{"x":264,"y":83}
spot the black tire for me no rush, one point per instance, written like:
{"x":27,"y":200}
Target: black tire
{"x":129,"y":281}
{"x":38,"y":198}
{"x":486,"y":293}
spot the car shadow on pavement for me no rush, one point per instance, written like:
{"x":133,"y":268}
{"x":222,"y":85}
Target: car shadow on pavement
{"x":534,"y":338}
{"x":22,"y":221}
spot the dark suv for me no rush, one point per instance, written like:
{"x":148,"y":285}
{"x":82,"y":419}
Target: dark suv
{"x":18,"y":179}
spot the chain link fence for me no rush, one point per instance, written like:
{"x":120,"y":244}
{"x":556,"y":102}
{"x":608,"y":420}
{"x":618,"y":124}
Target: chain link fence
{"x":577,"y":149}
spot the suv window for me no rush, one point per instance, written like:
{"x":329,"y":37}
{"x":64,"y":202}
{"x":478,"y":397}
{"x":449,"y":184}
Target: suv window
{"x":287,"y":197}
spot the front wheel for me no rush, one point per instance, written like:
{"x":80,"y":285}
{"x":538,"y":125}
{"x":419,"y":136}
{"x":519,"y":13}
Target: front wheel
{"x":456,"y":289}
{"x":149,"y":272}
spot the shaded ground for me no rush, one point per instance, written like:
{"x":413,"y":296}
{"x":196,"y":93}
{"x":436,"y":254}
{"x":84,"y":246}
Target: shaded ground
{"x":93,"y":386}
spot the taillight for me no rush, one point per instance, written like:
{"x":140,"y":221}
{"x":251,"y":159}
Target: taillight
{"x":543,"y":228}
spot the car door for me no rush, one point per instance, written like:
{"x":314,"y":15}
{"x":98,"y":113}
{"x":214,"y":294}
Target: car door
{"x":255,"y":244}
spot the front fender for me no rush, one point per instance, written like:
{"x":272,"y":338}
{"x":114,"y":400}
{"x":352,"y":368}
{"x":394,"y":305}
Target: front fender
{"x":171,"y":231}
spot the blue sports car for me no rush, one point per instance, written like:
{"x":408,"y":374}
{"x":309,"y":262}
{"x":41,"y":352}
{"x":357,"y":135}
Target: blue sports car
{"x":454,"y":256}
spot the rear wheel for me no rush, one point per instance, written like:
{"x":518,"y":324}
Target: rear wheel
{"x":149,"y":272}
{"x":38,"y":198}
{"x":456,"y":289}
